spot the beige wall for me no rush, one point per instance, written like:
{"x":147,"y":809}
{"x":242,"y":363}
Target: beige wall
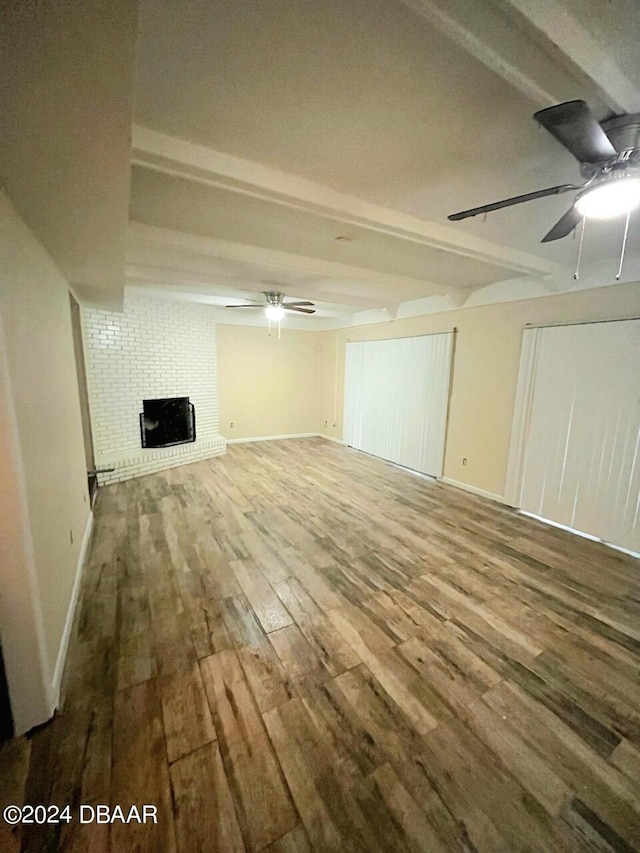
{"x":487,"y":357}
{"x":267,"y":386}
{"x":41,"y":376}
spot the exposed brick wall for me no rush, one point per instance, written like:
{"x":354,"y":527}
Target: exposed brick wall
{"x":153,"y":349}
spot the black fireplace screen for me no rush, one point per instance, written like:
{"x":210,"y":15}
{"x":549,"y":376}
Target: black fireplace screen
{"x":166,"y":422}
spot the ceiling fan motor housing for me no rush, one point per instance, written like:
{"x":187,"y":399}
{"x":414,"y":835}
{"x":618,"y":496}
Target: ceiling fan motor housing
{"x":274,"y":298}
{"x":623,"y":131}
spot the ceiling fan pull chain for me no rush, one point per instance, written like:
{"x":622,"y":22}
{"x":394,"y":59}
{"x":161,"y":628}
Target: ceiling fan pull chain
{"x":269,"y":318}
{"x":576,"y":274}
{"x":279,"y":329}
{"x":624,"y":245}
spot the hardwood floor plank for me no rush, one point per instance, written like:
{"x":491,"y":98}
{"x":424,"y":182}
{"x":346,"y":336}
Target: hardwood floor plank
{"x":594,"y":832}
{"x":140,"y":771}
{"x":454,"y":688}
{"x":402,"y":747}
{"x":311,"y":579}
{"x":313,"y":782}
{"x":268,"y":678}
{"x":218,"y":579}
{"x":626,"y":757}
{"x":420,"y":835}
{"x":174,"y":650}
{"x":293,"y":842}
{"x":334,"y":652}
{"x":208,"y":629}
{"x":296,"y":599}
{"x":340,"y":727}
{"x":204,"y":810}
{"x":266,"y":559}
{"x":496,"y":810}
{"x":396,"y":678}
{"x":297,"y":656}
{"x":534,"y":773}
{"x":137,"y":661}
{"x":264,"y":807}
{"x":266,"y":605}
{"x":186,"y":714}
{"x":602,"y":787}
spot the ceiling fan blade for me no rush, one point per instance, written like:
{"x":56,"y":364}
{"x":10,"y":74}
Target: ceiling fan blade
{"x":297,"y":304}
{"x":574,"y":126}
{"x":301,"y":310}
{"x":563,"y":226}
{"x":508,"y":202}
{"x":244,"y":306}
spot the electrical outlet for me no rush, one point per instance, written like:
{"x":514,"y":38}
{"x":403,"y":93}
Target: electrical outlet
{"x":464,"y":461}
{"x":232,"y":424}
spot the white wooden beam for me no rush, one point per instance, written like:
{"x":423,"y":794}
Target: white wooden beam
{"x":538,"y":46}
{"x":455,"y":22}
{"x":182,"y":281}
{"x":141,"y":235}
{"x":593,"y":60}
{"x":170,"y":155}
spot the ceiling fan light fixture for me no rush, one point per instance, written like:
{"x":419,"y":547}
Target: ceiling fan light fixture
{"x":274,"y":313}
{"x":610,"y":199}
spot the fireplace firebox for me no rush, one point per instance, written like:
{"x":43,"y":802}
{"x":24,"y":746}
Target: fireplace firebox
{"x":166,"y":422}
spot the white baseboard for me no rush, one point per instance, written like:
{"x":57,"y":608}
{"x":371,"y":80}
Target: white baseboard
{"x":281,"y":437}
{"x":272,"y":437}
{"x":68,"y":625}
{"x":474,"y":490}
{"x":580,"y":533}
{"x":330,"y":438}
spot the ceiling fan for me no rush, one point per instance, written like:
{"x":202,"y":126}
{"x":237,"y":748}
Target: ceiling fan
{"x":609,"y":157}
{"x":275,"y":306}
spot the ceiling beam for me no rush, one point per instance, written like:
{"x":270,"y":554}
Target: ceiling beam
{"x":593,"y":60}
{"x":141,"y":235}
{"x":182,"y":281}
{"x":154,"y":150}
{"x":537,"y":46}
{"x":464,"y":25}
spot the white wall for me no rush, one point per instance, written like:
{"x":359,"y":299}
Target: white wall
{"x":153,"y":349}
{"x":44,"y":507}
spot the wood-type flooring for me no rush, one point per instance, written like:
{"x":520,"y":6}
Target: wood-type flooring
{"x":298,"y":647}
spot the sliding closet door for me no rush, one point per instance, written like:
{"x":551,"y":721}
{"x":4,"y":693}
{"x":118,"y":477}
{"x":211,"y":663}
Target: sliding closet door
{"x":581,"y":461}
{"x":396,"y":397}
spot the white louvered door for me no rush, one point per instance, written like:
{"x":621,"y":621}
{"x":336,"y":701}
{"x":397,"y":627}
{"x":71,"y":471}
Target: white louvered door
{"x":581,"y":460}
{"x":396,"y":398}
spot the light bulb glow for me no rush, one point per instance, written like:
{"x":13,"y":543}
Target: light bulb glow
{"x":275,"y":313}
{"x":610,"y":199}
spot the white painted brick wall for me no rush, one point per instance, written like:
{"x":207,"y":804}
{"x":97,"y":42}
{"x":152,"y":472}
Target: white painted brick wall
{"x":153,"y":349}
